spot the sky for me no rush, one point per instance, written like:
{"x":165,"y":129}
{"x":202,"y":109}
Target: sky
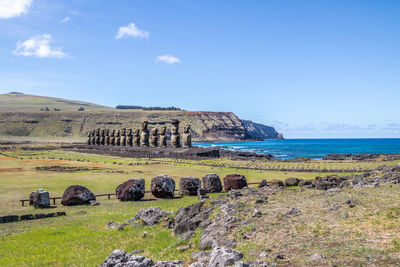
{"x":310,"y":68}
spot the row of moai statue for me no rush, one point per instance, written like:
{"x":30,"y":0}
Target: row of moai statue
{"x":143,"y":137}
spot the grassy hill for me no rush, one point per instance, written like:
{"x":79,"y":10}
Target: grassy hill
{"x":23,"y":102}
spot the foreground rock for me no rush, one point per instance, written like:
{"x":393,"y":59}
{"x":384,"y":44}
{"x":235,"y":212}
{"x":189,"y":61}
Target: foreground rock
{"x":133,"y":189}
{"x":188,"y":186}
{"x":150,"y":216}
{"x":212,"y":183}
{"x":77,"y":195}
{"x":120,"y":258}
{"x":40,"y":199}
{"x":234,"y":181}
{"x":162,"y":186}
{"x":224,"y":257}
{"x":292,"y":182}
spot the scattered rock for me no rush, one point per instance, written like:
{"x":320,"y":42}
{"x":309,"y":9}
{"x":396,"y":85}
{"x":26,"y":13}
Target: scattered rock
{"x":150,"y":216}
{"x":305,"y":183}
{"x":189,"y":218}
{"x":175,"y":263}
{"x":201,"y":254}
{"x":133,"y":189}
{"x":256,"y":213}
{"x":241,"y":264}
{"x":221,"y":256}
{"x":234,"y":181}
{"x":162,"y":186}
{"x":93,"y":203}
{"x":40,"y":199}
{"x":119,"y":258}
{"x":236,"y":193}
{"x":188,"y":186}
{"x":317,"y":257}
{"x":334,"y":207}
{"x":344,"y":214}
{"x":27,"y":217}
{"x":334,"y":190}
{"x":293,"y":211}
{"x":262,"y":184}
{"x":292,"y":182}
{"x":77,"y":195}
{"x":212,"y":183}
{"x":276,"y":183}
{"x":351,"y":202}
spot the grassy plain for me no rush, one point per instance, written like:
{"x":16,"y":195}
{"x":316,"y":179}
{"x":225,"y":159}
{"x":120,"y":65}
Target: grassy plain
{"x":81,"y":239}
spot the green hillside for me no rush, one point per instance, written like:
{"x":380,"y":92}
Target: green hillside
{"x":24,"y":103}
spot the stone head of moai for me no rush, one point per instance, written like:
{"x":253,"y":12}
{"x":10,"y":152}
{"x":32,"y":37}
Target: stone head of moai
{"x":136,"y":133}
{"x":129,"y":132}
{"x":123,"y":132}
{"x":154,"y":137}
{"x":102,"y":133}
{"x":154,"y":132}
{"x":107,"y":132}
{"x":187,"y":136}
{"x":118,"y":133}
{"x":175,"y":136}
{"x":98,"y":132}
{"x":144,"y":125}
{"x":112,"y":132}
{"x":163,"y":130}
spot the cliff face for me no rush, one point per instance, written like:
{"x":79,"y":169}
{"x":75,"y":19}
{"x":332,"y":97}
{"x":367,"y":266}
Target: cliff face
{"x":261,"y":131}
{"x":206,"y":126}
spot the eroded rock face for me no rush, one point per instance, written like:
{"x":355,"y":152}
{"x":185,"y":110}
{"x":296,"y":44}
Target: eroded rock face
{"x":40,"y":199}
{"x":133,"y":189}
{"x":162,"y":186}
{"x":151,"y":216}
{"x":188,"y":218}
{"x":212,"y":183}
{"x":119,"y":258}
{"x":234,"y":181}
{"x":221,"y":256}
{"x":188,"y":186}
{"x":77,"y":195}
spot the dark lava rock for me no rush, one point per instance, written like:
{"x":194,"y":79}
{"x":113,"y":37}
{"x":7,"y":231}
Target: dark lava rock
{"x":234,"y":181}
{"x":40,"y":216}
{"x":176,"y":263}
{"x":77,"y":195}
{"x":212,"y":183}
{"x":305,"y":182}
{"x":162,"y":186}
{"x":61,"y":213}
{"x":328,"y":182}
{"x":40,"y":199}
{"x":10,"y":218}
{"x":262,"y":184}
{"x":188,"y":218}
{"x":122,"y":259}
{"x":202,"y":194}
{"x":188,"y":186}
{"x":27,"y":217}
{"x":276,"y":183}
{"x":292,"y":182}
{"x":133,"y":189}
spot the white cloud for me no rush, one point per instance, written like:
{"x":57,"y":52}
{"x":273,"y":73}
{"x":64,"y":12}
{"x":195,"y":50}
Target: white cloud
{"x":64,"y":20}
{"x":38,"y":46}
{"x":169,"y":59}
{"x":13,"y":8}
{"x":131,"y":31}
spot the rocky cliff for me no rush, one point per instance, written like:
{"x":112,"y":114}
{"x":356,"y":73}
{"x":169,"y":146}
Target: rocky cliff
{"x":260,"y":131}
{"x":206,"y":126}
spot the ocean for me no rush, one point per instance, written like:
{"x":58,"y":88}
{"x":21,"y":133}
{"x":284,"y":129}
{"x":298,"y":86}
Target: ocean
{"x":312,"y":148}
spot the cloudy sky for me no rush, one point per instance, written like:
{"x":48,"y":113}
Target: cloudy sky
{"x":309,"y":68}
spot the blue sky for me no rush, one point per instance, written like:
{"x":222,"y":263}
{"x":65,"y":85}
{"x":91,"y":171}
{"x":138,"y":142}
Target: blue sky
{"x":309,"y":68}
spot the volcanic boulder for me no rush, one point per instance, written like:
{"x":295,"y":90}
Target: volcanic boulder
{"x":133,"y":189}
{"x":212,"y":183}
{"x":188,"y":186}
{"x":39,"y":199}
{"x":234,"y":181}
{"x":162,"y":186}
{"x":77,"y":195}
{"x":291,"y":182}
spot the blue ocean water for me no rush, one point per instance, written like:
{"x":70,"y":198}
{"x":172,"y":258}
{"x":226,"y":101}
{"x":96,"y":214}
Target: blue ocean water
{"x":312,"y":148}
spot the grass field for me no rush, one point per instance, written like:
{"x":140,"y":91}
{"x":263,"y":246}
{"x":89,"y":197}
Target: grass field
{"x":81,"y":239}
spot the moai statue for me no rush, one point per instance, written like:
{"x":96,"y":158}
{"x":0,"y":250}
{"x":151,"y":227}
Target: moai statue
{"x":154,"y":137}
{"x":103,"y":137}
{"x":129,"y":137}
{"x":163,"y":137}
{"x":123,"y":137}
{"x":187,"y":136}
{"x":144,"y":135}
{"x":118,"y":138}
{"x":175,"y":136}
{"x":112,"y":137}
{"x":93,"y":137}
{"x":107,"y":136}
{"x":89,"y":136}
{"x":97,"y":136}
{"x":136,"y":138}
